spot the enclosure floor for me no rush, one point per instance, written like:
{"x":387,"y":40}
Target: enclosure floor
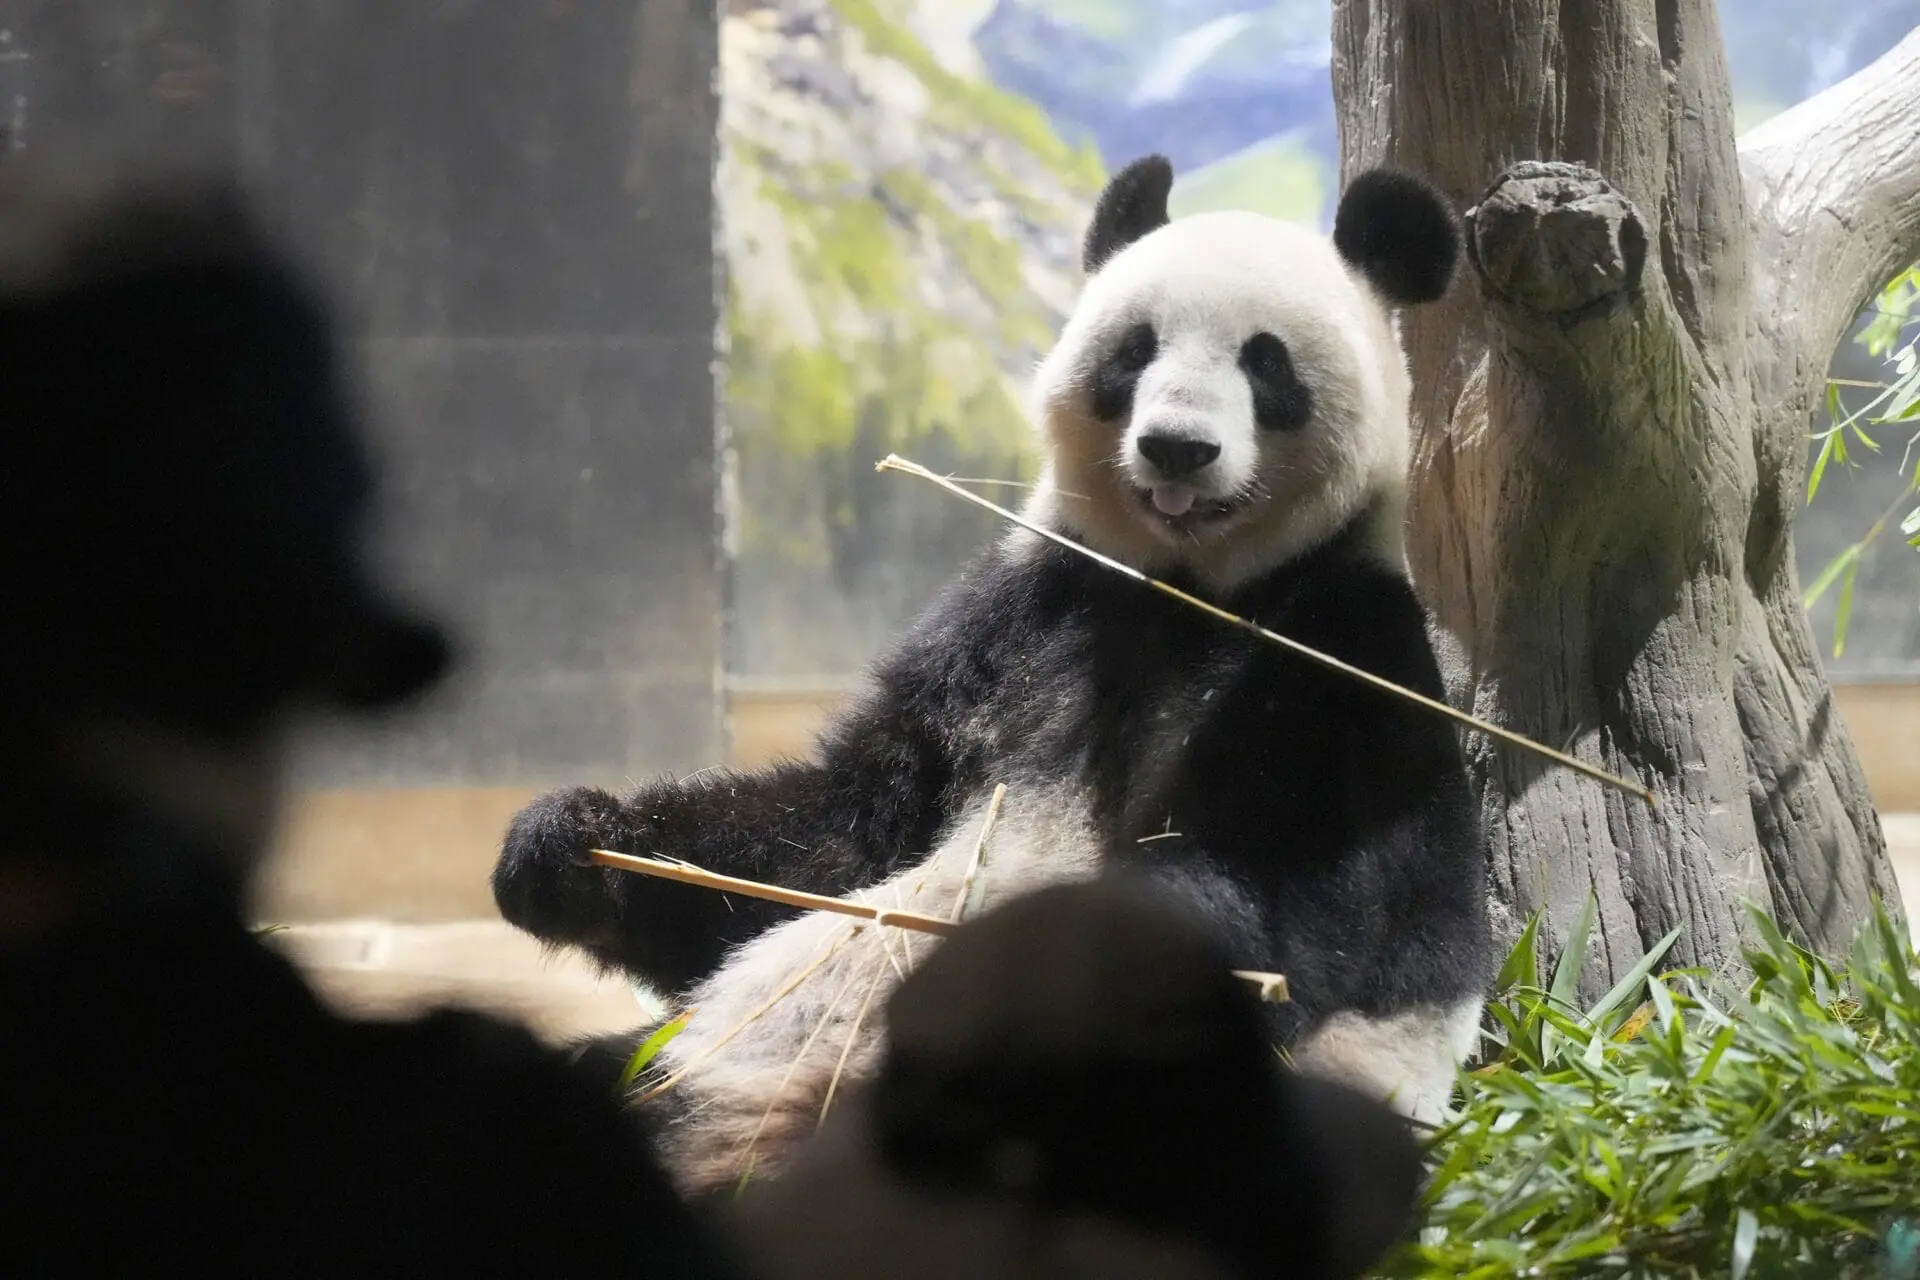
{"x":382,"y":969}
{"x":377,"y":968}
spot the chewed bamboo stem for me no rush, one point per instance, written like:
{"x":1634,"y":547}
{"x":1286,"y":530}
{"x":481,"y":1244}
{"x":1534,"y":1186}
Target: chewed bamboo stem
{"x":1271,"y":987}
{"x":963,"y":901}
{"x":894,"y":462}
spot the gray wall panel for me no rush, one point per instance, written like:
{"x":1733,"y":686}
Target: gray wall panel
{"x":513,"y":205}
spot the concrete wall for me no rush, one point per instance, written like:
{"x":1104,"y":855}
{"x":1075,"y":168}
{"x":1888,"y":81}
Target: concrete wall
{"x":513,"y":204}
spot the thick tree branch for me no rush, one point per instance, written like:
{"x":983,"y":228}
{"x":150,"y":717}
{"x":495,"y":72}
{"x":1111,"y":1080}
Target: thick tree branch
{"x":1610,"y":435}
{"x":1557,"y":239}
{"x":1833,"y":186}
{"x":1587,"y":325}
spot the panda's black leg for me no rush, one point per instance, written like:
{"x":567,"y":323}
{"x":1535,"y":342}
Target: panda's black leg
{"x":1236,"y":916}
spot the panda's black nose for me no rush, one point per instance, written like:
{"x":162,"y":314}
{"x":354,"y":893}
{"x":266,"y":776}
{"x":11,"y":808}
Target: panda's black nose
{"x":1177,"y":456}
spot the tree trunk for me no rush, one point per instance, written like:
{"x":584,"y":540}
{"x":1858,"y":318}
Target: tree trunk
{"x":1610,"y":446}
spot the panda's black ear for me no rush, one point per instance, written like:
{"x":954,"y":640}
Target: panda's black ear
{"x":1399,"y":232}
{"x":1134,"y":203}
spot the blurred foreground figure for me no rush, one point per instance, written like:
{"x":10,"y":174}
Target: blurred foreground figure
{"x":180,"y":502}
{"x":1075,"y":1087}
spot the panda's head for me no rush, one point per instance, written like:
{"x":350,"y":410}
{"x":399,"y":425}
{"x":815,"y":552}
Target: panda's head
{"x":1230,"y":390}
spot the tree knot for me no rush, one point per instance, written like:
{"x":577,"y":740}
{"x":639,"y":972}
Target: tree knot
{"x":1556,"y":238}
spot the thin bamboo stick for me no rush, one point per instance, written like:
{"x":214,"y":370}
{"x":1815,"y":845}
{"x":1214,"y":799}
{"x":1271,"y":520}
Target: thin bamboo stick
{"x":964,"y":899}
{"x":1271,"y":987}
{"x":894,"y":462}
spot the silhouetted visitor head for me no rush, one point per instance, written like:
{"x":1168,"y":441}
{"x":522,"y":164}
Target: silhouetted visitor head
{"x":1076,"y":1085}
{"x":182,"y":494}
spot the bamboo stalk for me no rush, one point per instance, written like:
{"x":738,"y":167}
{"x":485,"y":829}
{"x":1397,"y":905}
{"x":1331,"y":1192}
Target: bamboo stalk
{"x":894,"y":462}
{"x":1271,"y":987}
{"x":963,"y":900}
{"x":680,"y":871}
{"x":846,"y":1050}
{"x":786,"y":989}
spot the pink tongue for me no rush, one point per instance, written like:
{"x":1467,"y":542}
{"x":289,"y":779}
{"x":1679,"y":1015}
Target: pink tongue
{"x":1172,"y":499}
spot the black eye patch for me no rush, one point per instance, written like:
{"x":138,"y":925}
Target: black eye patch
{"x":1281,"y":402}
{"x":1119,"y":370}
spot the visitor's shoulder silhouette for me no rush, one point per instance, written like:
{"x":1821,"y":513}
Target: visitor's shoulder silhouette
{"x":182,"y":499}
{"x":1076,"y":1087}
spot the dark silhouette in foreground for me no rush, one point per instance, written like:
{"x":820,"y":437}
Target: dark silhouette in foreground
{"x":180,"y":503}
{"x":1076,"y":1086}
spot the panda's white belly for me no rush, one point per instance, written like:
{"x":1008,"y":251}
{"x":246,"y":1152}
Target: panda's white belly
{"x":795,"y":1012}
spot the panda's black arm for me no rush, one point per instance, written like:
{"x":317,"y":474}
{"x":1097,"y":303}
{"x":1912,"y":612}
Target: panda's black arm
{"x":1402,"y":780}
{"x":872,"y":797}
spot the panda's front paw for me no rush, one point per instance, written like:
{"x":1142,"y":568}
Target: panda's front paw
{"x":544,"y":882}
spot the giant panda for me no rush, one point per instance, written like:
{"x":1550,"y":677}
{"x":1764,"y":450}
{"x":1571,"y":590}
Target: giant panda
{"x":1226,"y":408}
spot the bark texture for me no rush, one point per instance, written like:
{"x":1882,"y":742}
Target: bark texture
{"x":1610,"y":446}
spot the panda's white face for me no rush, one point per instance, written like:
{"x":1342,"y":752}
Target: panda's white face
{"x":1229,"y":392}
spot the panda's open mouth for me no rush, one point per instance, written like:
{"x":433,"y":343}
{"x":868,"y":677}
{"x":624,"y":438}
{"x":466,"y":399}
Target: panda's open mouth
{"x":1179,"y":505}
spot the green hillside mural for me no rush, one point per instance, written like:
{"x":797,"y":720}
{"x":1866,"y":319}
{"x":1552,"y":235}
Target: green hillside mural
{"x":901,"y":242}
{"x":1280,"y":177}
